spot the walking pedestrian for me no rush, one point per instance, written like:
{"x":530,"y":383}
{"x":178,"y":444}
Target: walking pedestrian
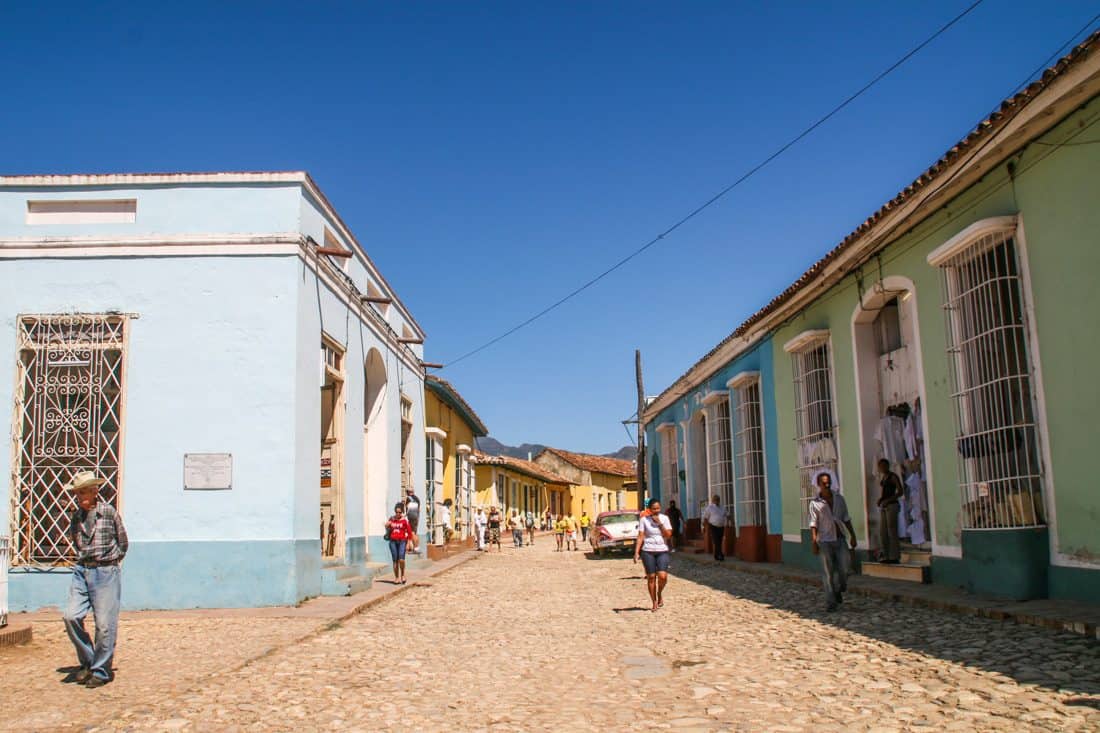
{"x":828,"y":519}
{"x":398,"y":531}
{"x":516,"y":525}
{"x":571,"y":532}
{"x":480,"y":523}
{"x":100,"y":541}
{"x":494,"y":529}
{"x":412,"y":513}
{"x":584,"y":521}
{"x":559,"y":532}
{"x":548,"y":520}
{"x":676,"y":519}
{"x":654,"y":533}
{"x":445,"y":521}
{"x":888,"y":508}
{"x":714,"y":518}
{"x":529,"y":521}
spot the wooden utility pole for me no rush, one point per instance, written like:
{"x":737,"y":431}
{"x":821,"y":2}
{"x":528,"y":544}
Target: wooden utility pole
{"x":641,"y":427}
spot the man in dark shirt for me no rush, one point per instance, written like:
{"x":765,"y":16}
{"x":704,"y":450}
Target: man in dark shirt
{"x":676,"y":519}
{"x":412,"y":513}
{"x":100,"y":542}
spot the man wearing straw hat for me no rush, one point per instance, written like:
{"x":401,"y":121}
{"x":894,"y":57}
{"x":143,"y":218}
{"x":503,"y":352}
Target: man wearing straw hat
{"x":100,"y":542}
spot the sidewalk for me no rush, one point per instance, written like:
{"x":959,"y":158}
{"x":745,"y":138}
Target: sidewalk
{"x":1073,"y":616}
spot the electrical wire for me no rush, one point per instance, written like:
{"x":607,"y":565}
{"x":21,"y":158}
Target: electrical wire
{"x":1084,"y":30}
{"x":722,"y":193}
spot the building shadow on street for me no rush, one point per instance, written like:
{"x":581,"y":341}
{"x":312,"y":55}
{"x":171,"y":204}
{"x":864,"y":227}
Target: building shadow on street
{"x":1030,"y":655}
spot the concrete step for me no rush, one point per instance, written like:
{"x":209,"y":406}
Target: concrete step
{"x":916,"y":557}
{"x":896,"y":571}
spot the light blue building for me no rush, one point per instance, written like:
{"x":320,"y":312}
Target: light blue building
{"x":223,"y":351}
{"x":712,"y":433}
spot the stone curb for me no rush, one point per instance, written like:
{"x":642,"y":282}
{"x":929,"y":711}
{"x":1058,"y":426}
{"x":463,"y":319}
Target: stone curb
{"x":452,"y":562}
{"x":1087,"y":629}
{"x":15,"y":634}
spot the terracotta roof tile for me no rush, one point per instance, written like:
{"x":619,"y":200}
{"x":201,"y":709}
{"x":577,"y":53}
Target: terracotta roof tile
{"x":528,"y":468}
{"x":599,"y":464}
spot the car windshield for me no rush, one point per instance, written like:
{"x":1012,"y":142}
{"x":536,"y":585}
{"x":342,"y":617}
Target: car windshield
{"x":618,"y":519}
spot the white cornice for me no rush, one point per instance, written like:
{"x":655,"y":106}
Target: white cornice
{"x":743,"y":379}
{"x":436,"y":433}
{"x":974,"y":232}
{"x":666,"y":427}
{"x":715,"y":396}
{"x":463,"y":449}
{"x":806,"y":340}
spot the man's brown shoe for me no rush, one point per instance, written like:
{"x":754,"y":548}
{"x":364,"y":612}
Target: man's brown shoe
{"x":94,"y":682}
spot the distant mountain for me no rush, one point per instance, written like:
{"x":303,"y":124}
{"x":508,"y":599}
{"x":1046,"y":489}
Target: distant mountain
{"x":494,"y":447}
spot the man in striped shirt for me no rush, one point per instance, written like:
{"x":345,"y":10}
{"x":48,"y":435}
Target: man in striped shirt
{"x":828,"y":517}
{"x":100,"y":541}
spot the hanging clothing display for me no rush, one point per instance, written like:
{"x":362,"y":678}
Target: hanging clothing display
{"x":890,"y":434}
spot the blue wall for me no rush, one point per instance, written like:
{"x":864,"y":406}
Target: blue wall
{"x":223,"y":356}
{"x":757,"y":359}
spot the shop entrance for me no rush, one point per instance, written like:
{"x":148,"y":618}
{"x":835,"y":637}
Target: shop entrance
{"x":890,"y":387}
{"x":332,"y":441}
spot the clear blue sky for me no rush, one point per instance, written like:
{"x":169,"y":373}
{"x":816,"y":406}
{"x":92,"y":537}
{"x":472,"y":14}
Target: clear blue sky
{"x":492,"y":156}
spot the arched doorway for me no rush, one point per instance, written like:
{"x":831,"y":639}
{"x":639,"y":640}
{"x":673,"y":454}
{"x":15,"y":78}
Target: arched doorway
{"x":890,"y":394}
{"x":375,"y":441}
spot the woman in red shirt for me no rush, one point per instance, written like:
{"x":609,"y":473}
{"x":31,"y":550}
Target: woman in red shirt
{"x":399,"y":531}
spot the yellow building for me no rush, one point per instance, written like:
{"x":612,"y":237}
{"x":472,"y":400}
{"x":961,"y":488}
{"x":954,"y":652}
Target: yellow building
{"x":513,"y":483}
{"x":451,"y":427}
{"x":598,"y":482}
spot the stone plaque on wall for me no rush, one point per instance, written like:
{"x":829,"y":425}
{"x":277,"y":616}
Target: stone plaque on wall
{"x":207,"y":471}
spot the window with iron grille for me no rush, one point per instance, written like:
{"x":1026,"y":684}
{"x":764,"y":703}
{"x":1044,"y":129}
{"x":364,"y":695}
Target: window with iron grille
{"x":670,"y":469}
{"x":997,"y":437}
{"x":433,"y":483}
{"x":719,"y":453}
{"x":814,"y":417}
{"x":68,"y":418}
{"x":749,"y":442}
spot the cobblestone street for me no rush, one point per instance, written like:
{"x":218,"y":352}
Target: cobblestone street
{"x":536,"y":640}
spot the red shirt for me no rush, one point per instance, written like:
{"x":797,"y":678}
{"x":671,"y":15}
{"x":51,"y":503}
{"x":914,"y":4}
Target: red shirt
{"x":400,"y":529}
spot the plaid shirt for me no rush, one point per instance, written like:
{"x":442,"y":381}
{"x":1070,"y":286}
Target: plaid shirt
{"x":106,"y":543}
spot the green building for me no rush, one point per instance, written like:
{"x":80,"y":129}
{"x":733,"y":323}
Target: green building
{"x":955,"y":334}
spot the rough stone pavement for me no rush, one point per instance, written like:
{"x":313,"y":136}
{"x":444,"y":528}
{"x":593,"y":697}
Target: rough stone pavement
{"x":536,"y":640}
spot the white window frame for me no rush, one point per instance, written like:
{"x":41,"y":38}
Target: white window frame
{"x":434,"y":465}
{"x":816,"y":434}
{"x":670,"y":468}
{"x":750,"y":454}
{"x":998,"y":431}
{"x":719,"y":443}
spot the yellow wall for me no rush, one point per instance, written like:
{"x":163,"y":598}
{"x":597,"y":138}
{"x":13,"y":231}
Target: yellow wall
{"x":437,"y":414}
{"x":489,"y":494}
{"x":601,"y":495}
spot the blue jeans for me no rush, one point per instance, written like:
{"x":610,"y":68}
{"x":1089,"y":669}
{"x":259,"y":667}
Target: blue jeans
{"x":98,"y":590}
{"x":834,"y":563}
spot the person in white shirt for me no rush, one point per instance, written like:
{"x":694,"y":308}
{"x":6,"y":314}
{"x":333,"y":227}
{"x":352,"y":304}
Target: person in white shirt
{"x":654,"y":533}
{"x":828,"y":512}
{"x":479,"y":528}
{"x":714,"y":518}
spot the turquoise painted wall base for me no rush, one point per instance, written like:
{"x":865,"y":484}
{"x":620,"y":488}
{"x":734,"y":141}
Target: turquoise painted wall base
{"x":1011,"y":563}
{"x":171,"y":575}
{"x":1078,"y":584}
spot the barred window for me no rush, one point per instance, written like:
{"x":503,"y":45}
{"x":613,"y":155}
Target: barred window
{"x":68,"y":418}
{"x":719,"y":452}
{"x":670,"y":469}
{"x":749,"y":447}
{"x":996,"y":433}
{"x":433,"y":483}
{"x":814,"y":416}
